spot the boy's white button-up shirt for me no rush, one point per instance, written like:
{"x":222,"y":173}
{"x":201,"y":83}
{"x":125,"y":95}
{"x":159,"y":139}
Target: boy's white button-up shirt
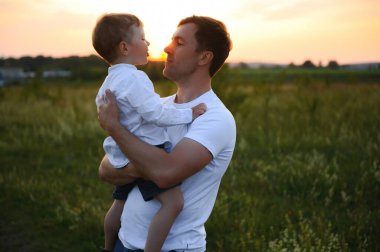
{"x":141,"y":110}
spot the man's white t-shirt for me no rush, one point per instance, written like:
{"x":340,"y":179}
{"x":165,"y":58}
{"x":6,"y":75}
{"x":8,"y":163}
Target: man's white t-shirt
{"x":141,"y":110}
{"x":215,"y":130}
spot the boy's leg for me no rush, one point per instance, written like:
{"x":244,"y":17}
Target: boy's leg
{"x":112,"y":218}
{"x":171,"y":205}
{"x":112,"y":224}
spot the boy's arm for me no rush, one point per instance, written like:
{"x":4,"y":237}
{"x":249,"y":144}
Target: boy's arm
{"x":141,"y":96}
{"x":165,"y":169}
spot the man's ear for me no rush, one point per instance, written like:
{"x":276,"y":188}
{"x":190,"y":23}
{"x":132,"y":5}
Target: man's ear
{"x":123,"y":48}
{"x":206,"y":57}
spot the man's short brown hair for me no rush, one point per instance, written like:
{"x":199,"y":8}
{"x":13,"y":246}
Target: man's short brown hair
{"x":109,"y":31}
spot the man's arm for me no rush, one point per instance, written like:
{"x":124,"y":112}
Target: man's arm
{"x":165,"y":169}
{"x":114,"y":176}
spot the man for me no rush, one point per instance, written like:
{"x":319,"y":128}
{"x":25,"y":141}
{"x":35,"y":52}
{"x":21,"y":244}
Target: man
{"x":202,"y":150}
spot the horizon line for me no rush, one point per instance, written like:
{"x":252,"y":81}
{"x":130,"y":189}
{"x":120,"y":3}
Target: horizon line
{"x":263,"y":62}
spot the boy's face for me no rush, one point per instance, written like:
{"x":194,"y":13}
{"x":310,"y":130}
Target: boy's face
{"x":138,"y":47}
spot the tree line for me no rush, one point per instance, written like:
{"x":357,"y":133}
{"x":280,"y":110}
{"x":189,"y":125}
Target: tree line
{"x":82,"y":68}
{"x":93,"y":68}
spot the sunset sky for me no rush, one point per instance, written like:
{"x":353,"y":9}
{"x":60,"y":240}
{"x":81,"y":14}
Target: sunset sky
{"x":271,"y":31}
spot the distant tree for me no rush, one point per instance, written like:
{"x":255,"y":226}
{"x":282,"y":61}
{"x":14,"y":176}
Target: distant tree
{"x":308,"y":64}
{"x":27,"y":63}
{"x":40,"y":62}
{"x":333,"y":64}
{"x":292,"y":65}
{"x":154,"y":70}
{"x":243,"y":65}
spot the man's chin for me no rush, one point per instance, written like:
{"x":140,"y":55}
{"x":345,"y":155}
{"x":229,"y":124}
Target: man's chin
{"x":166,"y":73}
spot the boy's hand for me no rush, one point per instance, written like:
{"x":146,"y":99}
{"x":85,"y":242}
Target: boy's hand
{"x":198,"y":110}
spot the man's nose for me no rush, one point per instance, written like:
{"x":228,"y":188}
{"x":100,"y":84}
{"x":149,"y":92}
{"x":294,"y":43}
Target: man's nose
{"x":168,"y":48}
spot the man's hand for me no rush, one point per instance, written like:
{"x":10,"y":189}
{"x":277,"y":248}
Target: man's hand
{"x":108,"y":112}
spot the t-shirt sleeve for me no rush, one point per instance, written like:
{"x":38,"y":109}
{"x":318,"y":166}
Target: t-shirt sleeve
{"x":141,"y":96}
{"x":214,"y":130}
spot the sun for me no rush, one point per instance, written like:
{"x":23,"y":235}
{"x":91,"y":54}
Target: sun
{"x":158,"y":42}
{"x":159,"y":34}
{"x":157,"y":56}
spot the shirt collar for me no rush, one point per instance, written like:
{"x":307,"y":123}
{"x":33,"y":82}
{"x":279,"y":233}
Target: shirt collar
{"x":121,"y":66}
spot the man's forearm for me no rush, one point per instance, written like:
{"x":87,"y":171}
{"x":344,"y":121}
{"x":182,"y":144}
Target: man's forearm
{"x":165,"y":169}
{"x":114,"y":176}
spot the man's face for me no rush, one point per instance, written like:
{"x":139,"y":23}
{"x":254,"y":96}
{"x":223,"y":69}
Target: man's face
{"x":182,"y":60}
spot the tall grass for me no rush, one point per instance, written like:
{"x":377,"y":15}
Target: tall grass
{"x":51,"y":197}
{"x":304,"y":177}
{"x":305,"y":174}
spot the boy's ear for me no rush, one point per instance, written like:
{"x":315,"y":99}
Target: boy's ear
{"x":206,"y":57}
{"x":123,"y":48}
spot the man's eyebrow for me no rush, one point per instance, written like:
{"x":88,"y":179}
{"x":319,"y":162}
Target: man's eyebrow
{"x":178,"y":38}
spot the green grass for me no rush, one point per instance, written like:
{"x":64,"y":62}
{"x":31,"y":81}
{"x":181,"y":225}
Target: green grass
{"x":305,"y":175}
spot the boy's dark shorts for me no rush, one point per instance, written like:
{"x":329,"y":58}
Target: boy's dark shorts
{"x":121,"y":192}
{"x":148,"y":189}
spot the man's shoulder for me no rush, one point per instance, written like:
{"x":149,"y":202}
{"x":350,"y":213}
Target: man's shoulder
{"x":217,"y":109}
{"x":217,"y":115}
{"x":215,"y":129}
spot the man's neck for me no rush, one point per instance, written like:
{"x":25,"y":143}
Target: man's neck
{"x":192,"y":90}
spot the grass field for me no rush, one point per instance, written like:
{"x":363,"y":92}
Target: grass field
{"x":305,"y":175}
